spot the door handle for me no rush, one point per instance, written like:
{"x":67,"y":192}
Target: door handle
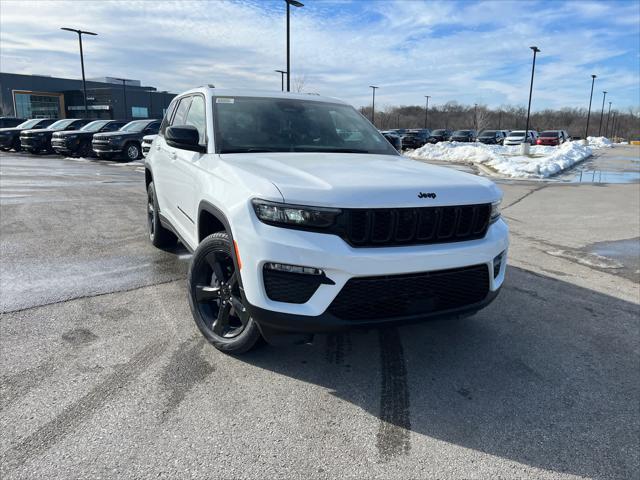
{"x":173,"y":155}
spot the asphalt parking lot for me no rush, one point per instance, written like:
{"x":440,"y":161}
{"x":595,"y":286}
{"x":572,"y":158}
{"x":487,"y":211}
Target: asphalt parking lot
{"x":104,"y":374}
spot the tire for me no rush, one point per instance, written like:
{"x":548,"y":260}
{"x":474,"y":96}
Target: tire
{"x":159,"y":236}
{"x":216,"y":300}
{"x":15,"y":145}
{"x":85,"y":150}
{"x":132,"y":151}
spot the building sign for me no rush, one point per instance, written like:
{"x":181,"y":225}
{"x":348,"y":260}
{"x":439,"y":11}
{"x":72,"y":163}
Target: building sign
{"x":89,"y":107}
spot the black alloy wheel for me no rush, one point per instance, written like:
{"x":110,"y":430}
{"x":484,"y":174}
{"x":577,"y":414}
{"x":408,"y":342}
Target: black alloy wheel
{"x":216,"y":298}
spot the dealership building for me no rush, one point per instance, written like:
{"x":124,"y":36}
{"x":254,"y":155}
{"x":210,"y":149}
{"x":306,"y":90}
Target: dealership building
{"x":39,"y":96}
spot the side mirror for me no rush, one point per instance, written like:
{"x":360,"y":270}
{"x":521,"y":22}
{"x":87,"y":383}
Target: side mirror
{"x":184,"y":137}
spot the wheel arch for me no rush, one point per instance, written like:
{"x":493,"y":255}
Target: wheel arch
{"x":211,"y":220}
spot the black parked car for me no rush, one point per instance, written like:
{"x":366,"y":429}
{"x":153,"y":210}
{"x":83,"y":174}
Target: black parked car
{"x":78,"y":142}
{"x":126,"y":141}
{"x":415,"y":138}
{"x":8,"y":122}
{"x":439,"y":135}
{"x":393,"y":139}
{"x":493,"y":137}
{"x":10,"y":137}
{"x":39,"y":139}
{"x":463,"y":136}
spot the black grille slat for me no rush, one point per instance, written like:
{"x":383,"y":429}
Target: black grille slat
{"x":397,"y":296}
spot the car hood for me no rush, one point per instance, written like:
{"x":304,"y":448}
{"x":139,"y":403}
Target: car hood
{"x":117,"y":133}
{"x":363,"y":181}
{"x":39,"y":130}
{"x":10,"y":129}
{"x":64,"y":133}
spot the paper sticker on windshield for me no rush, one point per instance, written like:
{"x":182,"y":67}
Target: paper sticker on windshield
{"x":225,"y":100}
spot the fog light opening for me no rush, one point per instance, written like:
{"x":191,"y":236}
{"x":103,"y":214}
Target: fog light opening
{"x":283,"y":267}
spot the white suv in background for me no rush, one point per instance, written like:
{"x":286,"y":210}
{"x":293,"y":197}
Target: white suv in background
{"x":304,"y":219}
{"x":516,"y":137}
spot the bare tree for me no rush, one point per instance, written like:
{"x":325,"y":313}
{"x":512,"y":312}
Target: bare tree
{"x":299,"y":83}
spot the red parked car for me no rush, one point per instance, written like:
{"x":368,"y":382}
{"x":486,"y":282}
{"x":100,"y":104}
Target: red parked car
{"x":553,"y":137}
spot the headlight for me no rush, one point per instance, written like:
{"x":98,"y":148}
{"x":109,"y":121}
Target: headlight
{"x":113,"y":139}
{"x":495,"y":211}
{"x":71,"y":137}
{"x":281,"y":214}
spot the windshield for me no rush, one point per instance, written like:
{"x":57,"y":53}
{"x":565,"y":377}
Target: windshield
{"x":488,"y":133}
{"x":462,"y":132}
{"x":549,"y":133}
{"x":247,"y":124}
{"x":136,"y":126}
{"x":517,"y":133}
{"x":60,"y":124}
{"x":29,"y":123}
{"x":438,"y":132}
{"x":94,"y":126}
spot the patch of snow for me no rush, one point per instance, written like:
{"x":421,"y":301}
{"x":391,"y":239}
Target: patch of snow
{"x":599,"y":142}
{"x":543,"y":161}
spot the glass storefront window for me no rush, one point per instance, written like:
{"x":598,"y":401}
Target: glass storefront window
{"x":30,"y":105}
{"x":139,"y":112}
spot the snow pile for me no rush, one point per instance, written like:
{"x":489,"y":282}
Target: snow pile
{"x":542,"y":162}
{"x":599,"y":142}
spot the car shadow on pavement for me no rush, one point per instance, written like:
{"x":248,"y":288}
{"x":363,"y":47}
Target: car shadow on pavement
{"x":546,"y":376}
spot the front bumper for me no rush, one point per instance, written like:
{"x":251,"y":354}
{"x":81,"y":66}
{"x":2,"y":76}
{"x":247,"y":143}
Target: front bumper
{"x":6,"y":141}
{"x":106,"y":148}
{"x":259,"y":243}
{"x":33,"y":143}
{"x":64,"y":146}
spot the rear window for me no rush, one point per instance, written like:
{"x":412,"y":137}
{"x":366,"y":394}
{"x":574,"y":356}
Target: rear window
{"x":550,"y":133}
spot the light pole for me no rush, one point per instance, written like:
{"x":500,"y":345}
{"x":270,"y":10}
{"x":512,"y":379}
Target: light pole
{"x":426,"y":112}
{"x":124,"y":95}
{"x":281,"y":72}
{"x":373,"y":105}
{"x":586,"y":132}
{"x":295,"y":3}
{"x":602,"y":113}
{"x":84,"y":83}
{"x":606,"y":129}
{"x":526,"y":129}
{"x":475,"y":116}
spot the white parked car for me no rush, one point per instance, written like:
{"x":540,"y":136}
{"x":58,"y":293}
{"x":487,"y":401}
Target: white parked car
{"x":297,"y":229}
{"x":147,"y":140}
{"x":516,"y":137}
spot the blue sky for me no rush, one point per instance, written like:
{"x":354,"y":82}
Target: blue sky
{"x":469,"y":52}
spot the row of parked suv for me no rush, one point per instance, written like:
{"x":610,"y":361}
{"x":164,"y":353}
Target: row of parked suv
{"x":80,"y":137}
{"x":405,"y":139}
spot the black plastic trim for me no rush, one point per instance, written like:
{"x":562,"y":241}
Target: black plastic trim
{"x":276,"y":323}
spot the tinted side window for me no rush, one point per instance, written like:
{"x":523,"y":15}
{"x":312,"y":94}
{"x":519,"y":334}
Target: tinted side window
{"x":152,"y":128}
{"x":196,"y":117}
{"x":181,"y":112}
{"x":167,"y":116}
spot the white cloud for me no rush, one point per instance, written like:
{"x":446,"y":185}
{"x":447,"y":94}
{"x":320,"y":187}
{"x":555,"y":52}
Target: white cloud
{"x":466,"y":52}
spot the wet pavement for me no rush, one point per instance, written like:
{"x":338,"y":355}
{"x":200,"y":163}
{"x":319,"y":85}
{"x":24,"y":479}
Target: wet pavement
{"x":104,"y":374}
{"x":606,"y":168}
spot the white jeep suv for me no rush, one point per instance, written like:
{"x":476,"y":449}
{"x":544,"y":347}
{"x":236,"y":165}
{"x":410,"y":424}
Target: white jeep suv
{"x":304,"y":219}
